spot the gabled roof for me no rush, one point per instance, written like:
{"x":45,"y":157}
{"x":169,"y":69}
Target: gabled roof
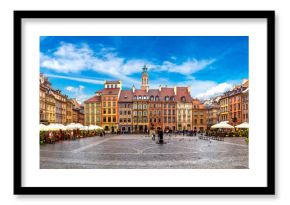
{"x":167,"y":92}
{"x":126,"y":96}
{"x":154,"y":92}
{"x":140,"y":92}
{"x":183,"y":92}
{"x":196,"y":102}
{"x":110,"y":91}
{"x":93,"y":99}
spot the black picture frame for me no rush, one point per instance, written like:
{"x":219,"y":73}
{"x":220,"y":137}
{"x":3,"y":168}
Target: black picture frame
{"x":268,"y":190}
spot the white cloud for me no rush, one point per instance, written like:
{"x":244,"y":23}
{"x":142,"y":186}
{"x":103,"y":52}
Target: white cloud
{"x":215,"y":90}
{"x":186,"y":68}
{"x":70,"y":58}
{"x":85,"y":80}
{"x":77,"y":93}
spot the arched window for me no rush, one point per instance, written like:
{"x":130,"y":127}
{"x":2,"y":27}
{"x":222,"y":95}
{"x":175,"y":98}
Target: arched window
{"x":144,"y":97}
{"x":139,"y":97}
{"x":151,"y":98}
{"x":135,"y":97}
{"x":183,"y":99}
{"x":156,"y":98}
{"x":171,"y":98}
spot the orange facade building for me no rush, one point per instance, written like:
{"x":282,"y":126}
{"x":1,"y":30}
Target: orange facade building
{"x":199,"y":115}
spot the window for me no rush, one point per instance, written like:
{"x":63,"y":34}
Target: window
{"x":104,"y":119}
{"x":114,"y":119}
{"x":125,"y":112}
{"x":121,"y":120}
{"x":114,"y":104}
{"x":104,"y":111}
{"x":139,"y":97}
{"x":201,"y":121}
{"x":145,"y":113}
{"x":144,"y":106}
{"x":129,"y":112}
{"x":125,"y":119}
{"x":109,"y":104}
{"x":140,"y":106}
{"x":114,"y":111}
{"x":135,"y":97}
{"x":134,"y":106}
{"x":140,"y":113}
{"x":109,"y":119}
{"x":109,"y":111}
{"x":165,"y":119}
{"x":121,"y":112}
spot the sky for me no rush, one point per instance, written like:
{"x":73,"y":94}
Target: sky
{"x":79,"y":65}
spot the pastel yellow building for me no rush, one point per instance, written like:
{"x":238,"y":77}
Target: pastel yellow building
{"x":92,"y":108}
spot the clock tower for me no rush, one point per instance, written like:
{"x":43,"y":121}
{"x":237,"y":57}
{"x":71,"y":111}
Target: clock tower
{"x":145,"y":85}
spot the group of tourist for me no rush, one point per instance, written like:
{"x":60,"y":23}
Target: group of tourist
{"x":50,"y":137}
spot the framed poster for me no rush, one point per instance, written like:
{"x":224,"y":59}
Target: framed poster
{"x":144,"y":102}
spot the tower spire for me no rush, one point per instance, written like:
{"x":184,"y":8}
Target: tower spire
{"x":145,"y":85}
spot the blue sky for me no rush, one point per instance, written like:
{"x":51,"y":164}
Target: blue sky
{"x":78,"y":65}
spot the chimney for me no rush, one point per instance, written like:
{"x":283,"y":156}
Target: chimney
{"x":188,"y":89}
{"x":133,"y":88}
{"x":147,"y":89}
{"x":175,"y":90}
{"x":160,"y":88}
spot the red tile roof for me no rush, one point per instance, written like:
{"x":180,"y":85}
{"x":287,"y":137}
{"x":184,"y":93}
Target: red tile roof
{"x":110,"y":91}
{"x":140,"y":92}
{"x":126,"y":96}
{"x":167,"y":92}
{"x":154,"y":92}
{"x":183,"y":92}
{"x":93,"y":99}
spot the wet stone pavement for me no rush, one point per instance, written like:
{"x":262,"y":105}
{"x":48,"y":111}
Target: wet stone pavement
{"x":140,"y":152}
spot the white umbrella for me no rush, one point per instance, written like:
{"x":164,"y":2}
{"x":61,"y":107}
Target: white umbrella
{"x":98,"y":127}
{"x":84,"y":128}
{"x":222,"y":125}
{"x":243,"y":125}
{"x":54,"y":126}
{"x":43,"y":127}
{"x":78,"y":125}
{"x":72,"y":126}
{"x":92,"y":127}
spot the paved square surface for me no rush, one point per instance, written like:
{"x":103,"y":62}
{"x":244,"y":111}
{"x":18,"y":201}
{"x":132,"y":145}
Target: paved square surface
{"x":140,"y":152}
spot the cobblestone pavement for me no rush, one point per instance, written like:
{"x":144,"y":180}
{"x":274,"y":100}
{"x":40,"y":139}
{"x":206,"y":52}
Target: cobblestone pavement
{"x":140,"y":152}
